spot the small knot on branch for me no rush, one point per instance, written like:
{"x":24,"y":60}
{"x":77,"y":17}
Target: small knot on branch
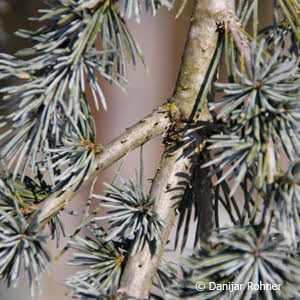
{"x":96,"y":148}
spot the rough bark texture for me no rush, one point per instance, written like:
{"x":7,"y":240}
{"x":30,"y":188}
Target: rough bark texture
{"x":199,"y":50}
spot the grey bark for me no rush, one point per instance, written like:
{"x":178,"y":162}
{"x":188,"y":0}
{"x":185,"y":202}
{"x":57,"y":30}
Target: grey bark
{"x":199,"y":50}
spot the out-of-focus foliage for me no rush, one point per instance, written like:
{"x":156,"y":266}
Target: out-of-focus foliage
{"x":22,"y":244}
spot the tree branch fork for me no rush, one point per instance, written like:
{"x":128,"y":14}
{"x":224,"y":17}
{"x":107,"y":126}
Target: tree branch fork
{"x":200,"y":47}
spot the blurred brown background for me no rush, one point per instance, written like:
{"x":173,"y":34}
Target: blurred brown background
{"x":162,"y":40}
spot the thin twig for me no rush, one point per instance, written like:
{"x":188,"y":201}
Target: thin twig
{"x":133,"y":137}
{"x":269,"y":205}
{"x":228,"y":19}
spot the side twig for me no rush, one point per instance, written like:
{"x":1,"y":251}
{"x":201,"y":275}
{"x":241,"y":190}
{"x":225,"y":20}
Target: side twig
{"x":154,"y":124}
{"x":228,"y":19}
